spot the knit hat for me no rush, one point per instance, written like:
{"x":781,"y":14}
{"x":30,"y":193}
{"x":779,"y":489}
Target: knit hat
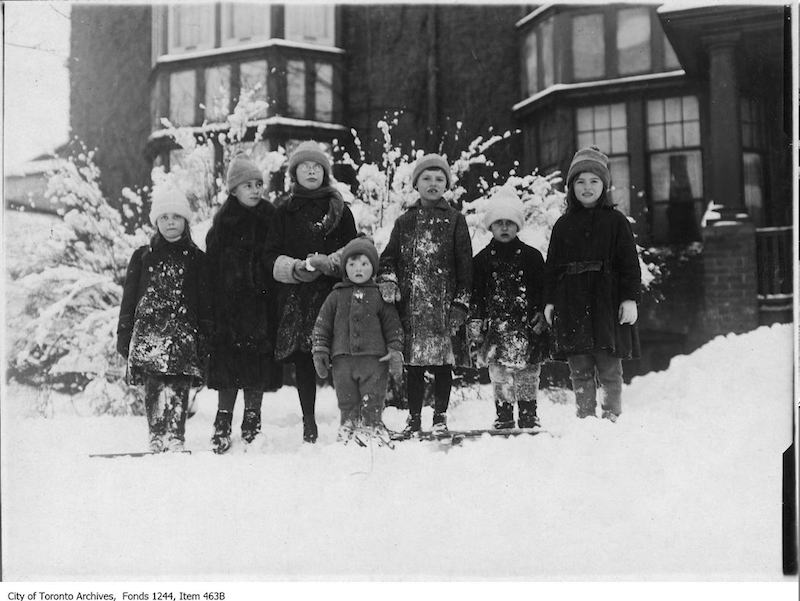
{"x":430,"y":161}
{"x":360,"y":246}
{"x":308,"y":151}
{"x":504,"y":204}
{"x":242,"y":169}
{"x":168,"y":198}
{"x":592,"y":160}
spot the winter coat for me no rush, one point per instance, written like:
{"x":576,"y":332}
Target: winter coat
{"x":165,"y":317}
{"x":355,"y":320}
{"x":429,"y":256}
{"x":243,"y":299}
{"x":592,"y":266}
{"x":301,"y":227}
{"x":508,"y":286}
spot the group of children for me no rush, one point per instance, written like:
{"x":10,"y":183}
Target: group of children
{"x":294,"y":283}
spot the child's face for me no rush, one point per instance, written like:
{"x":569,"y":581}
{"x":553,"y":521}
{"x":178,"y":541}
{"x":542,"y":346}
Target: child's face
{"x":588,"y":188}
{"x":171,"y":226}
{"x":249,"y":192}
{"x":358,"y":269}
{"x":309,"y":175}
{"x":431,"y":185}
{"x":504,"y":230}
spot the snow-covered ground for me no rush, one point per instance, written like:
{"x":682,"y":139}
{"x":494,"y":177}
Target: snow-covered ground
{"x":686,"y":486}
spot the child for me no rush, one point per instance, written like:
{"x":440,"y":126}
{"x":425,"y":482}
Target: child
{"x":506,"y":312}
{"x":360,"y":333}
{"x":427,"y":268}
{"x":242,"y":293}
{"x":301,"y":247}
{"x":592,"y":285}
{"x":165,"y":319}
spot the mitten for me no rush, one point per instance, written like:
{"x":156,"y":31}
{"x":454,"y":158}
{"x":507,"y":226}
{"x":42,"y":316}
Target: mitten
{"x":389,"y":291}
{"x":395,"y":359}
{"x":320,"y":263}
{"x":538,"y":324}
{"x":628,"y":312}
{"x":457,"y":317}
{"x":322,"y":363}
{"x":301,"y":273}
{"x":475,"y":331}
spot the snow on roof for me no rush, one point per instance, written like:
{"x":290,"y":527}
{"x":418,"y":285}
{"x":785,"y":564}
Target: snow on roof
{"x":34,"y":167}
{"x":171,"y":58}
{"x":288,"y":121}
{"x":678,"y":5}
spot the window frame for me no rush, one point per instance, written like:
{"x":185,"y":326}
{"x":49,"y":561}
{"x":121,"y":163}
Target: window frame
{"x":227,"y":19}
{"x":172,"y":47}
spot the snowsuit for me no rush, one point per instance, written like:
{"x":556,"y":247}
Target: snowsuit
{"x":243,"y":299}
{"x":592,"y":266}
{"x":163,"y":330}
{"x":429,"y":257}
{"x":506,"y":296}
{"x":308,"y":222}
{"x":356,"y":327}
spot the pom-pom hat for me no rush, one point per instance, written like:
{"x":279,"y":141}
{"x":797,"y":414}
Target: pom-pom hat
{"x":589,"y":159}
{"x":504,"y":204}
{"x":168,"y":198}
{"x":360,"y":246}
{"x":242,"y":169}
{"x":430,"y":161}
{"x":309,"y":151}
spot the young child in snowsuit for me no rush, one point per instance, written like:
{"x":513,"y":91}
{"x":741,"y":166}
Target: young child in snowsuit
{"x":358,"y":336}
{"x":426,"y":268}
{"x":592,"y":285}
{"x":242,"y":293}
{"x":165,"y":319}
{"x":301,"y":252}
{"x":506,"y":318}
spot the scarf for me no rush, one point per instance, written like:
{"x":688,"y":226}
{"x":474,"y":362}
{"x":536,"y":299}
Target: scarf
{"x":319,"y":197}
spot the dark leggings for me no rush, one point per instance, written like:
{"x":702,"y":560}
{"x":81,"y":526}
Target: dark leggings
{"x":415,"y":386}
{"x":227,"y":399}
{"x":306,"y":381}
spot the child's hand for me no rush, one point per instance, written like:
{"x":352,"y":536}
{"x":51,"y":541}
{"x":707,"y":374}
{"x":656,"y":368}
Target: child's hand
{"x":389,"y":291}
{"x":395,"y":359}
{"x":319,"y":262}
{"x":548,"y":314}
{"x":539,"y":324}
{"x":300,"y":272}
{"x":628,"y":313}
{"x":456,"y":318}
{"x":322,"y":364}
{"x":475,"y":331}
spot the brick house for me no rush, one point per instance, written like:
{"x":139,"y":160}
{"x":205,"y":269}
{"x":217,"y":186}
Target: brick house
{"x":690,"y":104}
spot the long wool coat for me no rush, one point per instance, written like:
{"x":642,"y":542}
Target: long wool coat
{"x":592,"y":266}
{"x":507,"y":293}
{"x":243,"y":299}
{"x":429,"y":256}
{"x":355,"y":320}
{"x":300,"y":227}
{"x":165,"y":316}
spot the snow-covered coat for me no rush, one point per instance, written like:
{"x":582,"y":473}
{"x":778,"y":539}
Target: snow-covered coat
{"x":508,"y":286}
{"x":302,"y":226}
{"x":243,"y":299}
{"x":165,"y":316}
{"x":592,"y":266}
{"x":355,"y":320}
{"x":429,"y":256}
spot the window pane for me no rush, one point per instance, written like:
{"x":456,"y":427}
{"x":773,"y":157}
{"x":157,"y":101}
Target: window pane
{"x":602,"y":139}
{"x":690,"y":108}
{"x":296,"y":88}
{"x":676,"y":176}
{"x":531,"y":65}
{"x":620,"y":183}
{"x":323,"y":92}
{"x":633,"y":40}
{"x":670,"y":58}
{"x":754,"y":187}
{"x":655,"y":111}
{"x":691,"y":133}
{"x":218,"y":93}
{"x":674,"y":135}
{"x":585,"y":139}
{"x":312,"y":23}
{"x":588,"y":47}
{"x":181,"y":98}
{"x":618,"y":116}
{"x":602,"y":117}
{"x":584,"y":119}
{"x":619,"y":141}
{"x":547,"y":53}
{"x":243,"y":22}
{"x":655,"y":137}
{"x":253,"y":83}
{"x":672,"y":110}
{"x":191,"y":26}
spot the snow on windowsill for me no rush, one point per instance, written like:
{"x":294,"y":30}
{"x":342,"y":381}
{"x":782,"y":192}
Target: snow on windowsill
{"x":561,"y":87}
{"x":173,"y":58}
{"x":287,"y":121}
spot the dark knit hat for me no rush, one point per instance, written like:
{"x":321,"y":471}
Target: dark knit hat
{"x":308,"y":151}
{"x":242,"y":169}
{"x":360,"y":246}
{"x":431,"y":161}
{"x":592,"y":160}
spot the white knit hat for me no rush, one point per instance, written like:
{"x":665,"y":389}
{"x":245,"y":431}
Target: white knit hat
{"x":504,"y":204}
{"x":167,"y":198}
